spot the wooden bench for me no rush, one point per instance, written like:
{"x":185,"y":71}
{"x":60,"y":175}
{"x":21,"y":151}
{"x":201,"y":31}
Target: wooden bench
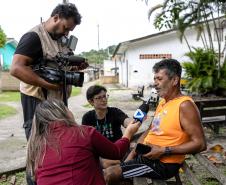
{"x":213,"y":112}
{"x":139,"y":94}
{"x":188,"y":174}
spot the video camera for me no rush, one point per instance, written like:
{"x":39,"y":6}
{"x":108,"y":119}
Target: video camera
{"x":59,"y":75}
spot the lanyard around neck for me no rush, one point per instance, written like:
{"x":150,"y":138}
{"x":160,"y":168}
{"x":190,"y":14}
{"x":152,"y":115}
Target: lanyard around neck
{"x":105,"y":128}
{"x":98,"y":124}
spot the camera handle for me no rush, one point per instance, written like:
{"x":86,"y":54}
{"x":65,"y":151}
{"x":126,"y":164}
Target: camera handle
{"x":64,"y":88}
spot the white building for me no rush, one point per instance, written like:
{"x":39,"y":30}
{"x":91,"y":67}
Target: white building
{"x":135,"y":58}
{"x":109,"y":67}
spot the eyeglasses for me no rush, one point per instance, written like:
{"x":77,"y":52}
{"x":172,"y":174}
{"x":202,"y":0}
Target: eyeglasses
{"x":102,"y":97}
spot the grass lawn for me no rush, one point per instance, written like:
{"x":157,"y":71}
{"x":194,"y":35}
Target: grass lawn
{"x":9,"y":96}
{"x":16,"y":179}
{"x":75,"y":91}
{"x":15,"y":96}
{"x":6,"y":111}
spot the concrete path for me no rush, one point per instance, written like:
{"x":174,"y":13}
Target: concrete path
{"x":12,"y":138}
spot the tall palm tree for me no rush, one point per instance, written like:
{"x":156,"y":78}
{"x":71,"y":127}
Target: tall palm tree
{"x":182,"y":14}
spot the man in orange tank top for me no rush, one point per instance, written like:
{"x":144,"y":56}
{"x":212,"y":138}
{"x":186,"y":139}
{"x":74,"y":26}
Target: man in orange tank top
{"x":175,"y":131}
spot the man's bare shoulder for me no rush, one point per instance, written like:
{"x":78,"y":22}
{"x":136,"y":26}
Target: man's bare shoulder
{"x":187,"y":104}
{"x":189,"y":110}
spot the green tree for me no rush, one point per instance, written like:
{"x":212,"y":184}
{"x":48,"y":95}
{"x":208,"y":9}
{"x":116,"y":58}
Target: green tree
{"x":97,"y":57}
{"x":2,"y":38}
{"x":180,"y":14}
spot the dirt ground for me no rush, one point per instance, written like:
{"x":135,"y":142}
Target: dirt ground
{"x":12,"y":138}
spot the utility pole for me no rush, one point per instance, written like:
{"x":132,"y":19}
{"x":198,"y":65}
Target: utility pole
{"x":98,"y":43}
{"x":98,"y":46}
{"x":98,"y":37}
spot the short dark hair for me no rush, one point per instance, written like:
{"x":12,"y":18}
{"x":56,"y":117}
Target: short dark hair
{"x":172,"y":66}
{"x":67,"y":10}
{"x":94,"y":90}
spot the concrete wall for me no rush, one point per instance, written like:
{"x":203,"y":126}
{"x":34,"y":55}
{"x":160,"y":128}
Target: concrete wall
{"x":8,"y":82}
{"x":109,"y":67}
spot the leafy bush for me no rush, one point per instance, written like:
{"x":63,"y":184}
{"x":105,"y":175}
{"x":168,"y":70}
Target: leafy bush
{"x":203,"y":75}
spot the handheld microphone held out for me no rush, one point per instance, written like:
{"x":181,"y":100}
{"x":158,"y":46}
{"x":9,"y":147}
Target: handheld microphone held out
{"x":142,"y":111}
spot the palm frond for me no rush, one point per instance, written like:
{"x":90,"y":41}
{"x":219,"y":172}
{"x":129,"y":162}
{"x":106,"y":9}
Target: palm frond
{"x":154,"y":8}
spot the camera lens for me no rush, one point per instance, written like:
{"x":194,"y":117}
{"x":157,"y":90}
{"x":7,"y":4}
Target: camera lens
{"x":74,"y":78}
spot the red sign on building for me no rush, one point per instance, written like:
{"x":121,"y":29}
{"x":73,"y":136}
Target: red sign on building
{"x":155,"y":56}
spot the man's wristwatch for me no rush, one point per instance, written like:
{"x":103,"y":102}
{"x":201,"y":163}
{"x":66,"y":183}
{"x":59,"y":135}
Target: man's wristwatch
{"x":168,"y":151}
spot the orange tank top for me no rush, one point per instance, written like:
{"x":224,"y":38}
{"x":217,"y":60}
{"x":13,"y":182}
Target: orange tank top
{"x":166,"y":129}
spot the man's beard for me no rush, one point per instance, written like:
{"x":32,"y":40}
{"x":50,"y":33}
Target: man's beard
{"x":55,"y":36}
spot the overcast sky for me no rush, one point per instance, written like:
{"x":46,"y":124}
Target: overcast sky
{"x":119,"y":20}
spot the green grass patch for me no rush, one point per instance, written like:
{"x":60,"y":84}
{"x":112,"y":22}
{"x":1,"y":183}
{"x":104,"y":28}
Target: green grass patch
{"x":9,"y":96}
{"x":19,"y":179}
{"x":75,"y":91}
{"x":15,"y":96}
{"x":6,"y":111}
{"x":210,"y":181}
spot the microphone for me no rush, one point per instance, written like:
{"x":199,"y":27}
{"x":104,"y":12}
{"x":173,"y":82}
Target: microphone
{"x":75,"y":60}
{"x":142,"y":111}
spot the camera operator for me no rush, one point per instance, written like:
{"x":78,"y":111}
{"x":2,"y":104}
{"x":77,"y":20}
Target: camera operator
{"x":44,"y":41}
